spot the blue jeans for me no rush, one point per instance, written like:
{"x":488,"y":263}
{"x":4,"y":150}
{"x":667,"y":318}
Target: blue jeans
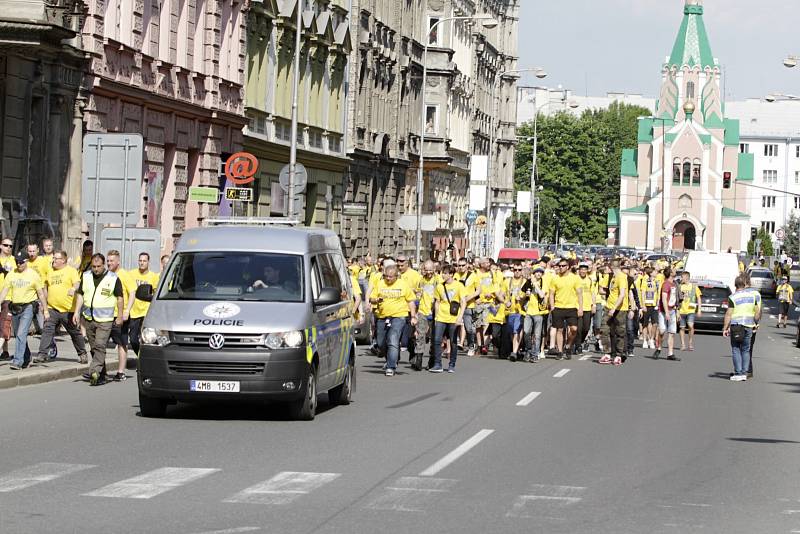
{"x":20,"y":324}
{"x":439,"y":331}
{"x":389,"y":332}
{"x":533,"y":334}
{"x":469,"y":327}
{"x":630,"y":330}
{"x":741,"y":353}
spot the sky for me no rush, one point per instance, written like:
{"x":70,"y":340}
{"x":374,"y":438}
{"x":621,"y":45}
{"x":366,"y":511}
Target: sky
{"x":602,"y":46}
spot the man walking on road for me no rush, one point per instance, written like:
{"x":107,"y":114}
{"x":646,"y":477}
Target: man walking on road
{"x":99,"y":300}
{"x":741,"y":319}
{"x":22,"y":287}
{"x":566,"y":301}
{"x":7,"y":264}
{"x":691,"y":300}
{"x":450,"y":303}
{"x":785,"y":295}
{"x":394,"y":301}
{"x":613,"y":329}
{"x":61,"y":283}
{"x":119,"y":333}
{"x":667,"y":315}
{"x":143,"y":275}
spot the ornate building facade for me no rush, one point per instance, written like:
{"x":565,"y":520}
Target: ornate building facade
{"x":685,"y":186}
{"x":172,"y":70}
{"x":41,"y":66}
{"x":324,"y":56}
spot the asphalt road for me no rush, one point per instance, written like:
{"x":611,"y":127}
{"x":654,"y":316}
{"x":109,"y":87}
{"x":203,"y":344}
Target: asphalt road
{"x":651,"y":446}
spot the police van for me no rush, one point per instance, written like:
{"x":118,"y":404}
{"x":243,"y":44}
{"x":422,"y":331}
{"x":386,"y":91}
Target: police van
{"x":255,"y":311}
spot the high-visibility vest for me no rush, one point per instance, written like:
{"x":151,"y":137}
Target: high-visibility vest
{"x":99,"y":303}
{"x":745,"y":305}
{"x":650,"y":296}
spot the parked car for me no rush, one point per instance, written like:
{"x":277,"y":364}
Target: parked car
{"x":714,"y":304}
{"x":660,"y":256}
{"x":763,"y":280}
{"x":606,"y":252}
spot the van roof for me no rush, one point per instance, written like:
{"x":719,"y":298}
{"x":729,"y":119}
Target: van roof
{"x":290,"y":240}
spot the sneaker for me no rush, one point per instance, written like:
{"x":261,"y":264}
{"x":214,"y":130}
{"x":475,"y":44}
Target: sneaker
{"x":484,"y":350}
{"x":389,"y":372}
{"x":617,"y":360}
{"x":119,"y":377}
{"x":605,"y":358}
{"x":471,"y":352}
{"x":5,"y":356}
{"x":461,"y":348}
{"x":559,"y":355}
{"x":568,"y":355}
{"x":656,"y":354}
{"x":87,"y":376}
{"x":512,"y":357}
{"x":14,"y":367}
{"x":451,"y":369}
{"x":97,"y":379}
{"x":39,"y":359}
{"x":437,"y":369}
{"x":738,"y":378}
{"x":673,"y":358}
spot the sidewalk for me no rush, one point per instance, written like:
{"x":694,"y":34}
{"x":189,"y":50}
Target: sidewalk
{"x":65,"y":366}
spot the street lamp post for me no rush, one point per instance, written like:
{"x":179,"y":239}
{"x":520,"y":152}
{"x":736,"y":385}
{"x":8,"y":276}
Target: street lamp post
{"x":488,"y":22}
{"x":295,"y":90}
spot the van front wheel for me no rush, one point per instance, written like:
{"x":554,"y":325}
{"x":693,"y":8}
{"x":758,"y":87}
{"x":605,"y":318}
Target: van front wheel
{"x":305,"y":409}
{"x":150,"y":407}
{"x":343,"y":393}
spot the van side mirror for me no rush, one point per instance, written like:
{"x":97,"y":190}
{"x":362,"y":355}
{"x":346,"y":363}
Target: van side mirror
{"x":328,"y":296}
{"x":145,"y":293}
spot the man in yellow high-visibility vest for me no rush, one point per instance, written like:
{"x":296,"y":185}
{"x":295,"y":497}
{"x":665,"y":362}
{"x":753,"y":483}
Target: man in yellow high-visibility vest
{"x":99,"y":300}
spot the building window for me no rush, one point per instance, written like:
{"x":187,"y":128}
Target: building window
{"x":687,"y":172}
{"x":433,"y":36}
{"x":770,"y":176}
{"x":744,"y":148}
{"x":769,"y":226}
{"x":797,"y":177}
{"x":696,"y":167}
{"x":797,"y":151}
{"x":685,"y":202}
{"x":315,"y":140}
{"x":797,"y":203}
{"x":334,"y":143}
{"x":431,"y":119}
{"x":768,"y":202}
{"x":676,"y":171}
{"x":771,"y":150}
{"x":689,"y":89}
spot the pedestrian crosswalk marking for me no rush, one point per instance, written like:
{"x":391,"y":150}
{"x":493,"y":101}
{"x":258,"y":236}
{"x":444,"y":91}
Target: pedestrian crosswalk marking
{"x":411,"y":494}
{"x":36,"y":474}
{"x":545,"y":496}
{"x":152,"y":483}
{"x":283,"y":488}
{"x":561,"y":373}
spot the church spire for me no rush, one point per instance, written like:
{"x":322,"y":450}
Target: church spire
{"x":692,"y":47}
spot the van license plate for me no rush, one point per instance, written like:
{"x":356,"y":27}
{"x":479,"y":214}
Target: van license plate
{"x":710,"y":309}
{"x":214,"y":386}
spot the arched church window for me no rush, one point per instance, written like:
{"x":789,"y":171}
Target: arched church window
{"x":696,"y":172}
{"x":676,"y":171}
{"x":685,"y":202}
{"x":687,"y":172}
{"x":689,"y":89}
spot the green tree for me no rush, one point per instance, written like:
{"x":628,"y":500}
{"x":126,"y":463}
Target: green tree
{"x":766,"y":244}
{"x":791,"y":240}
{"x":578,"y":167}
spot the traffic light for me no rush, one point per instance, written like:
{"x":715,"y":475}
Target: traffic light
{"x":726,"y":180}
{"x":753,"y":234}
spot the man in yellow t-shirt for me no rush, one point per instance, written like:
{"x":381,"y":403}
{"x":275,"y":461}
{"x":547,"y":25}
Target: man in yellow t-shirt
{"x":649,"y":293}
{"x":119,"y":332}
{"x":42,"y":266}
{"x":449,"y":294}
{"x":425,"y":289}
{"x":612,"y":330}
{"x":484,"y":296}
{"x":7,"y":264}
{"x":467,"y":278}
{"x":137,"y":277}
{"x":394,"y":299}
{"x":691,"y":300}
{"x":513,"y":288}
{"x":23,"y":288}
{"x":785,"y":294}
{"x":62,"y":281}
{"x":536,"y":310}
{"x":566,"y":303}
{"x":588,"y":287}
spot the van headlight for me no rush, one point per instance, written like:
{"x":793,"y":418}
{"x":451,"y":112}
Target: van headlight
{"x":151,"y":336}
{"x":284,"y":340}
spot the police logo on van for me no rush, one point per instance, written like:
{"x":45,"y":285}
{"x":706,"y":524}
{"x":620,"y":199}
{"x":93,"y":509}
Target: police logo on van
{"x":220,"y":314}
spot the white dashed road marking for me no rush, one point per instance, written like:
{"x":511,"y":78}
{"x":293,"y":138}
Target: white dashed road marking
{"x":585,"y":357}
{"x":561,"y":373}
{"x":236,"y":530}
{"x":529,"y":398}
{"x":457,"y":453}
{"x":152,"y":483}
{"x":36,"y":474}
{"x":411,"y":494}
{"x":283,"y":488}
{"x":544,"y":497}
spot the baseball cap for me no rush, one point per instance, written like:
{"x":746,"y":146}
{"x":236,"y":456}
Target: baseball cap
{"x":538,"y":270}
{"x":583,"y":265}
{"x":21,"y":257}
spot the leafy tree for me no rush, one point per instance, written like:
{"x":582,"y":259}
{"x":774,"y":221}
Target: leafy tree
{"x":578,"y":165}
{"x":766,"y":244}
{"x":791,"y":240}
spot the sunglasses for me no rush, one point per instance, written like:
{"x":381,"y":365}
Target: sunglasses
{"x":564,"y":265}
{"x":5,"y":244}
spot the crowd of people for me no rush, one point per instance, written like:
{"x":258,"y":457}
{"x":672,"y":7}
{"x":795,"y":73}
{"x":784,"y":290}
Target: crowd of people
{"x":93,"y":299}
{"x":529,"y":310}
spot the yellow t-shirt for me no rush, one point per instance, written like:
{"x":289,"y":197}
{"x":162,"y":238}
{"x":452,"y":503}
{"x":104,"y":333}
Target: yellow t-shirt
{"x":537,"y":306}
{"x":22,"y":286}
{"x":455,"y":292}
{"x":470,"y":288}
{"x":354,"y":269}
{"x":499,"y":317}
{"x":136,"y":279}
{"x":8,"y":263}
{"x":785,"y":293}
{"x":687,"y":306}
{"x":427,"y":289}
{"x":411,"y":277}
{"x":353,"y":282}
{"x":59,"y":283}
{"x":513,"y":290}
{"x":565,"y":290}
{"x":497,"y":277}
{"x":618,"y":284}
{"x":128,"y":287}
{"x":42,"y":265}
{"x":486,"y":286}
{"x":649,"y":291}
{"x":588,"y":287}
{"x":395,"y":298}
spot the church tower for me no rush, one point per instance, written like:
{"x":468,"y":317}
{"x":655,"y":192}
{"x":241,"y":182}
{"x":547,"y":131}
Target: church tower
{"x":686,"y":186}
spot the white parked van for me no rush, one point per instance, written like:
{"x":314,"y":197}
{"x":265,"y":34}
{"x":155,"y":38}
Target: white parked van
{"x":720,"y":266}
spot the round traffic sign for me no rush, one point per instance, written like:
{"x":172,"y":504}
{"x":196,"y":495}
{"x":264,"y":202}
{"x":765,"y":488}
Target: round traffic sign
{"x":780,"y":234}
{"x":471,"y":216}
{"x":300,"y":178}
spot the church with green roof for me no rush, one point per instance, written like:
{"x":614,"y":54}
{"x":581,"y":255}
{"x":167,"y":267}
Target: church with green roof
{"x":685,"y":186}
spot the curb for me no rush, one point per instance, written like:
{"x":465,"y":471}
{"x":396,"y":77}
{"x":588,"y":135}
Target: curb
{"x":30,"y":377}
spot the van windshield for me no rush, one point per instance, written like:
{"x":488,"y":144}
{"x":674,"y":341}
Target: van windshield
{"x":246,"y":276}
